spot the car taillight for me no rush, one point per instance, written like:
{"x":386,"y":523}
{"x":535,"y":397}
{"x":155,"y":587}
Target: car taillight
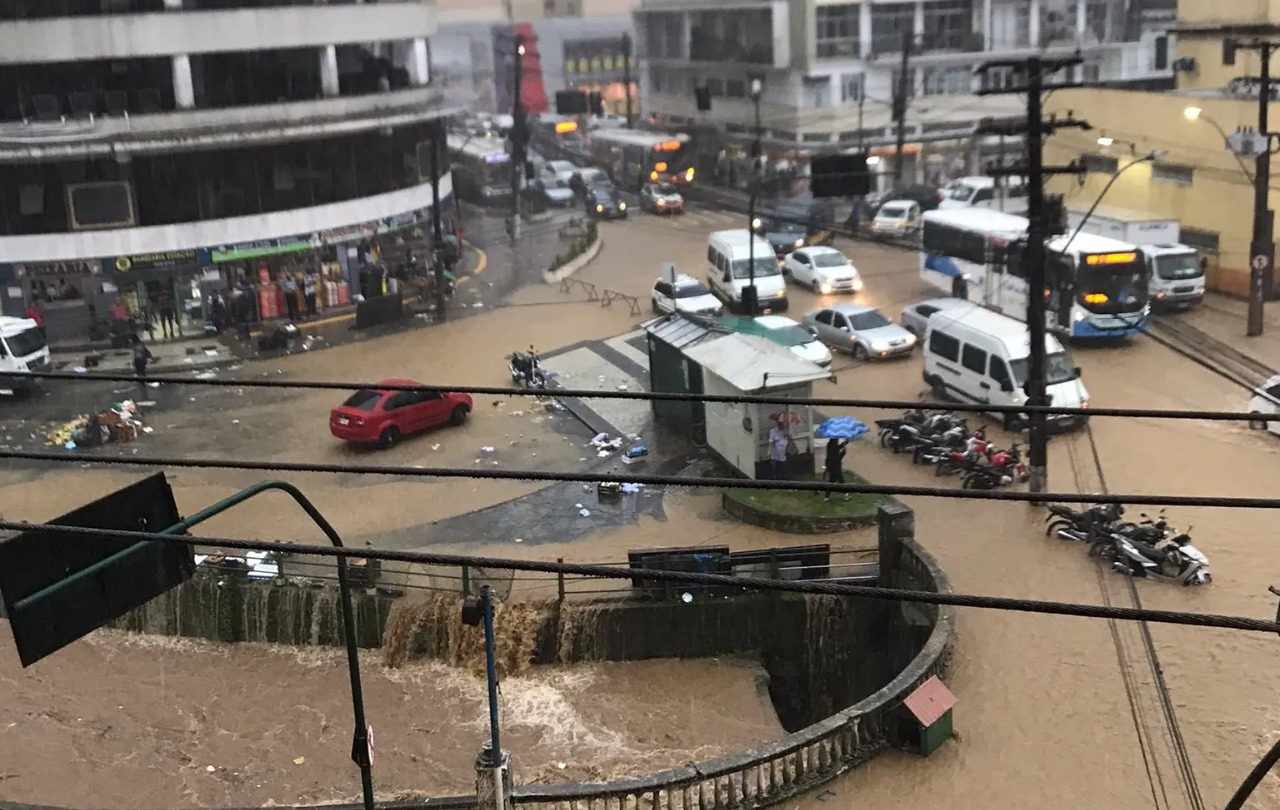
{"x":357,"y":421}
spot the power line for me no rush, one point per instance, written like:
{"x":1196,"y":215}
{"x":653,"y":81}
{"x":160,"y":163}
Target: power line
{"x":662,"y":396}
{"x":894,"y":490}
{"x":598,"y":571}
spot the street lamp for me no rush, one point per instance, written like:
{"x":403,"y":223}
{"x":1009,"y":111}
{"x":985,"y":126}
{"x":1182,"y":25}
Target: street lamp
{"x":479,"y":611}
{"x":750,"y":299}
{"x":1197,"y":114}
{"x":1150,"y":157}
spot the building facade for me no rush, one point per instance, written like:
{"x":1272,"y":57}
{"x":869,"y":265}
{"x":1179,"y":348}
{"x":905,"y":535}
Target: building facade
{"x":155,"y":151}
{"x":572,"y":53}
{"x":829,"y":69}
{"x":1193,"y":178}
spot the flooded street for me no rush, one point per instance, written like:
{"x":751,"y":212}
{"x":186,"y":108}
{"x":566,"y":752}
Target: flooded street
{"x":1051,"y":712}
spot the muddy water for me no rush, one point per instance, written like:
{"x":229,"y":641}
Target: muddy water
{"x":190,"y":724}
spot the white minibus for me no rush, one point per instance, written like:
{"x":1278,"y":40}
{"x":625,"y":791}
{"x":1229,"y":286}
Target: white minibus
{"x":730,"y":256}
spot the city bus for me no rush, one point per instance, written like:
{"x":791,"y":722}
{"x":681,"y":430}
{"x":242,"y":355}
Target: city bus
{"x":557,"y":137}
{"x":1096,"y":286}
{"x":634,"y":158}
{"x":481,"y":169}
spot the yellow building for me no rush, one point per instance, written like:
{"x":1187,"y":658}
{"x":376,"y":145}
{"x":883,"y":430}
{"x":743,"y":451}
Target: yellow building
{"x":1193,"y":177}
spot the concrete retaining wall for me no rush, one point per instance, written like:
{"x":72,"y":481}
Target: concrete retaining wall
{"x":574,"y":265}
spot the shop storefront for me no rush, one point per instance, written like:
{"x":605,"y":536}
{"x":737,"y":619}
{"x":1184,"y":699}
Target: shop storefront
{"x":166,"y":291}
{"x":68,"y":294}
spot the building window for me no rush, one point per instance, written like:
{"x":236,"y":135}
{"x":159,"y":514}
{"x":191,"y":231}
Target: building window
{"x":947,"y":81}
{"x":1091,"y":72}
{"x":948,"y":25}
{"x":664,"y":36}
{"x":715,"y":87}
{"x":837,"y":31}
{"x":911,"y":82}
{"x":1172,"y":173}
{"x":852,"y":86}
{"x":1104,"y":21}
{"x":1100,"y":164}
{"x":735,"y":88}
{"x":891,"y":24}
{"x":740,"y":35}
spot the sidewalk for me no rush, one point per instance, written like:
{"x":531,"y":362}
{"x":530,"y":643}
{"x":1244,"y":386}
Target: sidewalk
{"x":175,"y":356}
{"x":1225,"y":319}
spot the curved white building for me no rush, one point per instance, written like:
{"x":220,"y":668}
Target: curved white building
{"x":155,"y":150}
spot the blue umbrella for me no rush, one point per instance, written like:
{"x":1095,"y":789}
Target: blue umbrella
{"x":840,"y":427}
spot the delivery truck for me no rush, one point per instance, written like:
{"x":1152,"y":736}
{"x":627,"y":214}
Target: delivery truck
{"x":1175,"y":271}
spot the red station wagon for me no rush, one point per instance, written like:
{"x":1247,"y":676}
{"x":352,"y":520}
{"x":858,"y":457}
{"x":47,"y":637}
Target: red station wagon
{"x":381,"y":417}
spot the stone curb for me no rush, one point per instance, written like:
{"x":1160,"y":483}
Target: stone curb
{"x":574,"y":265}
{"x":794,"y":524}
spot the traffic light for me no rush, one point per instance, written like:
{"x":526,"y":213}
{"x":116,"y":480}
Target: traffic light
{"x":596,"y":102}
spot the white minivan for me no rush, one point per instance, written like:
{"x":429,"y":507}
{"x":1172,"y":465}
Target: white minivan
{"x":972,"y":354}
{"x":22,"y":349}
{"x":730,"y":255}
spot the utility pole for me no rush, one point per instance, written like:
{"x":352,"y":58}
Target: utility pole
{"x":1262,"y":248}
{"x":437,"y":219}
{"x":626,"y":77}
{"x":519,"y":137}
{"x":750,"y":295}
{"x":1035,"y":69}
{"x":901,"y":94}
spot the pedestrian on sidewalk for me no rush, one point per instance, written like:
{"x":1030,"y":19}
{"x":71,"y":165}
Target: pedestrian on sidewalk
{"x":835,"y":464}
{"x":309,"y":292}
{"x":141,"y":356}
{"x":779,"y":441}
{"x":290,"y":288}
{"x":33,"y":312}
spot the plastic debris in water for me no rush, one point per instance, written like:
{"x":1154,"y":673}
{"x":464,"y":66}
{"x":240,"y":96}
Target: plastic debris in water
{"x":486,"y":449}
{"x":584,"y":512}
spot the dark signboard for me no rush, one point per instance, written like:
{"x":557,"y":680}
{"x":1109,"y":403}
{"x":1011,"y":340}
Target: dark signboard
{"x":155,"y":261}
{"x":72,"y":267}
{"x":58,"y":587}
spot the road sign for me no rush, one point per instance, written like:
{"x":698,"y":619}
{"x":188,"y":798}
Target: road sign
{"x":1260,"y":262}
{"x":669,"y":272}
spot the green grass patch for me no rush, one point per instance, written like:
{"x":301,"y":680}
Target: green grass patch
{"x":811,"y":504}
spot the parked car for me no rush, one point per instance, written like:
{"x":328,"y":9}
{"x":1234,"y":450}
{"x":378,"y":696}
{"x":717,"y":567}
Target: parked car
{"x":583,"y":180}
{"x":661,"y":198}
{"x":382,"y":417}
{"x":824,"y":269}
{"x":861,"y":330}
{"x":554,"y":191}
{"x":897,"y":219}
{"x":605,"y":203}
{"x":915,"y":317}
{"x":1266,"y":400}
{"x":686,"y":294}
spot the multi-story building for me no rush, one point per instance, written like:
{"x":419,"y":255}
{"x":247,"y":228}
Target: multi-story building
{"x":152,"y":151}
{"x":587,"y":54}
{"x":1164,"y":153}
{"x":830,"y":69}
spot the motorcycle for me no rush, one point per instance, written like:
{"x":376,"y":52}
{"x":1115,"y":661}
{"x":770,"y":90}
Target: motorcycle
{"x":909,"y":434}
{"x":887,"y":427}
{"x":526,"y":370}
{"x":951,"y":460}
{"x":1004,"y":467}
{"x":1081,"y":526}
{"x":1171,"y":560}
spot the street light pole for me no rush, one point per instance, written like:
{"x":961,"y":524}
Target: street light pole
{"x":519,"y":133}
{"x":750,"y":297}
{"x":479,"y":611}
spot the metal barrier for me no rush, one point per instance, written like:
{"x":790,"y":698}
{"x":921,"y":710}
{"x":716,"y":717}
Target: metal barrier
{"x":613,"y":295}
{"x":567,"y":285}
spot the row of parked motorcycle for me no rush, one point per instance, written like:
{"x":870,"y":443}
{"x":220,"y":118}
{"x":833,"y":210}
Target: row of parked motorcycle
{"x":943,"y":439}
{"x":1149,"y":548}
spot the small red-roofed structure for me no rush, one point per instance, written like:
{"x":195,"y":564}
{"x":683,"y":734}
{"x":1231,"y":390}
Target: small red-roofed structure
{"x":930,"y":706}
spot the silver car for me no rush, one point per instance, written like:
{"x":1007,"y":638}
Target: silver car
{"x":861,"y":330}
{"x":915,"y":318}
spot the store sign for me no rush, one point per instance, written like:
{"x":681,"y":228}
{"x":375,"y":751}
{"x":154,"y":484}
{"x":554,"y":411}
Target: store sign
{"x":264,"y":247}
{"x":349,"y":233}
{"x":158,"y":261}
{"x":76,"y":267}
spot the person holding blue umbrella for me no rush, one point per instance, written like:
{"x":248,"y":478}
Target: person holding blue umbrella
{"x":836,"y":449}
{"x":838,"y":431}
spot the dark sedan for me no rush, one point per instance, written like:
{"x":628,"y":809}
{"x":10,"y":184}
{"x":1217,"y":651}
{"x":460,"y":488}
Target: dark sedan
{"x":605,"y":203}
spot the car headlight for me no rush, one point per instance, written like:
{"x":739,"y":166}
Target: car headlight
{"x":622,"y":206}
{"x":779,"y":293}
{"x":661,"y":203}
{"x":911,"y":340}
{"x":879,"y":346}
{"x":599,"y":209}
{"x":857,"y":285}
{"x":824,"y":288}
{"x":799,"y":243}
{"x":1017,"y":400}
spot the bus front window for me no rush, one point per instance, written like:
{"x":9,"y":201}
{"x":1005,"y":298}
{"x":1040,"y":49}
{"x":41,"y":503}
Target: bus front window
{"x":1112,"y":288}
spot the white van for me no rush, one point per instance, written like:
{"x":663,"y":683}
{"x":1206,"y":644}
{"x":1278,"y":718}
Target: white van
{"x":975,"y":355}
{"x":968,"y":192}
{"x":22,"y":349}
{"x":729,"y":259}
{"x":897,"y":218}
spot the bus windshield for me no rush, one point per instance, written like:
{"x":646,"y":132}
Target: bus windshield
{"x":1123,"y":287}
{"x":765,"y":266}
{"x":1179,"y":266}
{"x":1058,"y":368}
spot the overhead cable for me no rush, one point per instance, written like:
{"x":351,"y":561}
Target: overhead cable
{"x":663,"y":396}
{"x":682,"y":577}
{"x":585,"y":477}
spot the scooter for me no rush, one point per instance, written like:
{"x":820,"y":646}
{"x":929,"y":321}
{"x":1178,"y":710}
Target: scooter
{"x":526,"y":370}
{"x":1080,"y":526}
{"x":1175,"y":560}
